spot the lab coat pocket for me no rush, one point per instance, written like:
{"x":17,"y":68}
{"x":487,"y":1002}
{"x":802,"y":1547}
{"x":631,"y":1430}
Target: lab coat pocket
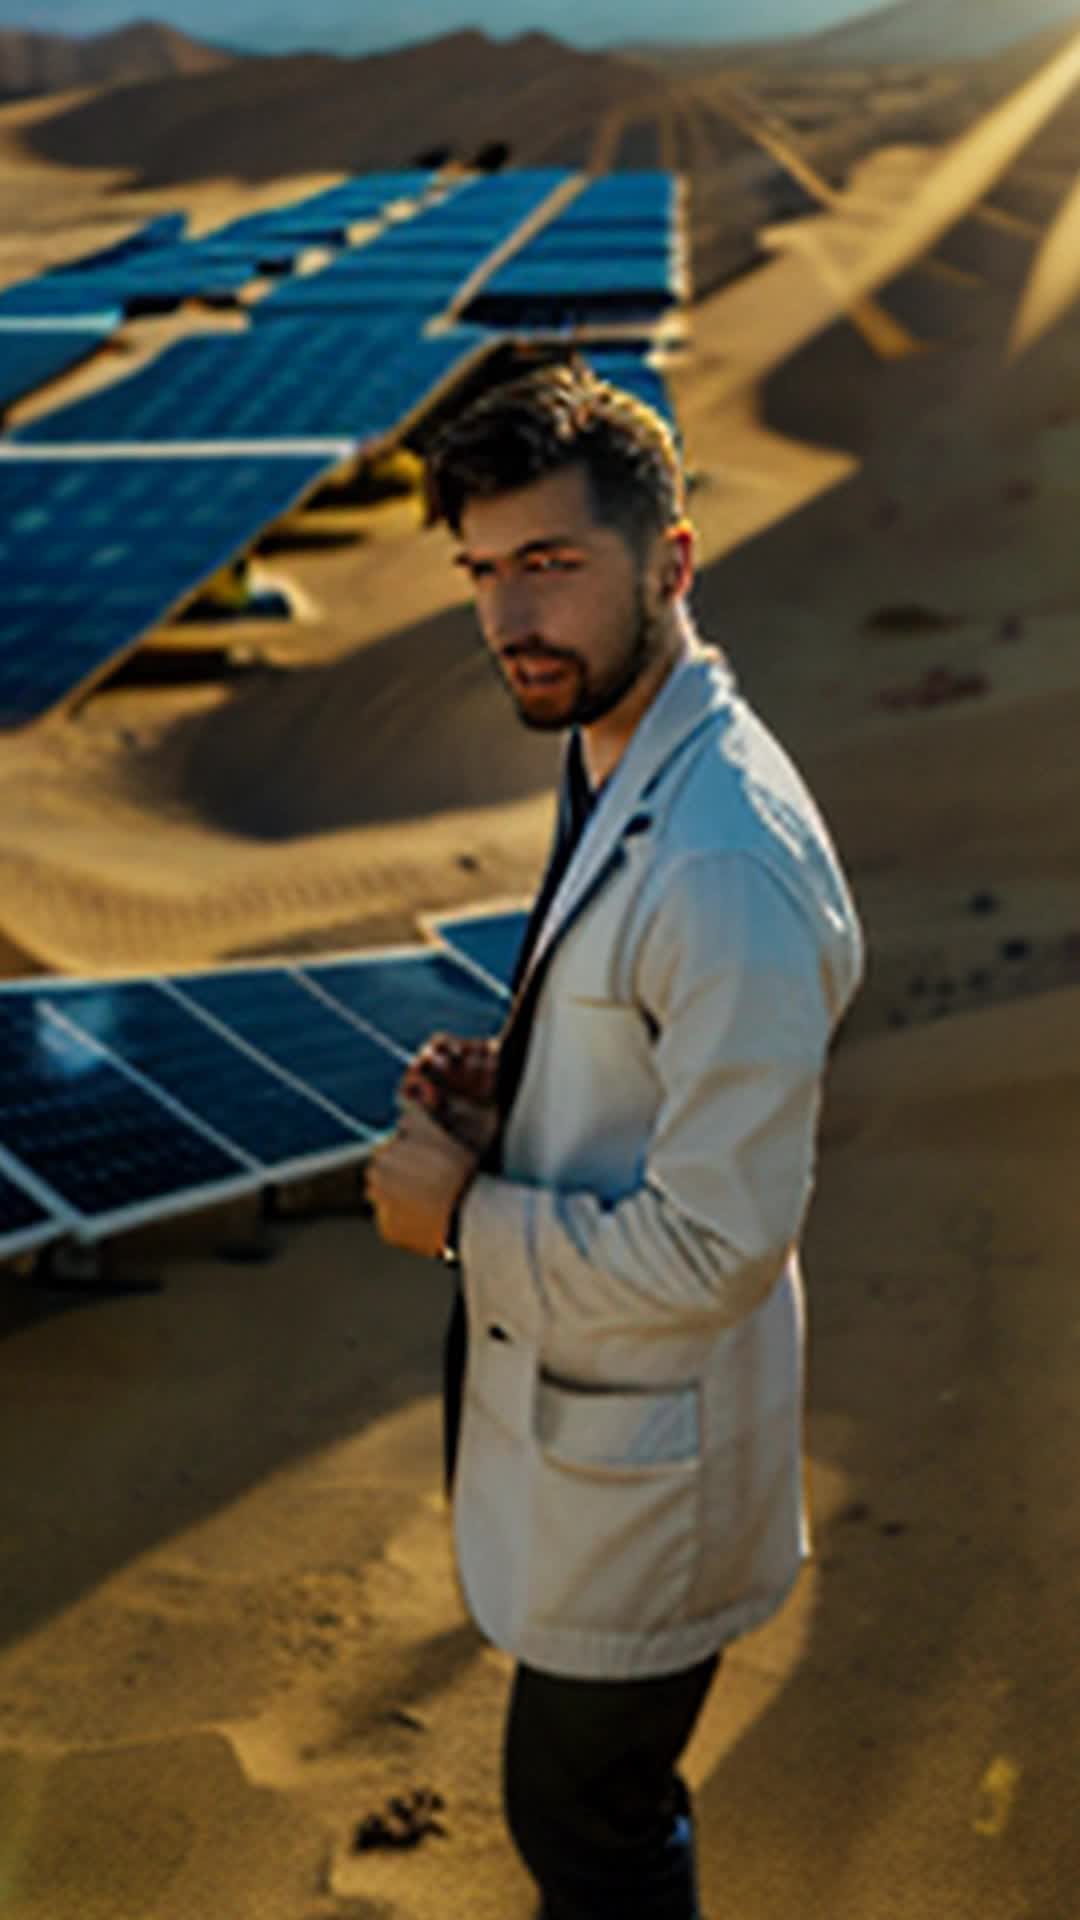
{"x":616,"y":1492}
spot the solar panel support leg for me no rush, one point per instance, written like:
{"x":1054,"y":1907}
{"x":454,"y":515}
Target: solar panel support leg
{"x":74,"y":1268}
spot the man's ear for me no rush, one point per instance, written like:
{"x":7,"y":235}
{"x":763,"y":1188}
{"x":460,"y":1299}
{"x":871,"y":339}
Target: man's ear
{"x":677,"y":567}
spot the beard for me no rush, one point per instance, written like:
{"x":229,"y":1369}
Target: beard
{"x":599,"y":693}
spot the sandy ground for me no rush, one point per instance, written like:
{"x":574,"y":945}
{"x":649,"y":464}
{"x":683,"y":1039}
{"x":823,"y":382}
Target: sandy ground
{"x":229,"y":1627}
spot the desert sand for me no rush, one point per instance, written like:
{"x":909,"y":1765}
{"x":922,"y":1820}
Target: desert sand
{"x":229,"y":1628}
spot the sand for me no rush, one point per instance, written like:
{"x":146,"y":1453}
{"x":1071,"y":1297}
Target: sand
{"x":229,"y":1627}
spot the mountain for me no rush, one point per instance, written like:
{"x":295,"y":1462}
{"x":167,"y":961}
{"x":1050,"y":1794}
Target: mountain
{"x":922,"y":32}
{"x":266,"y":118}
{"x":144,"y":50}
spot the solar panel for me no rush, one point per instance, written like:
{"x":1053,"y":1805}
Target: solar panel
{"x":489,"y":940}
{"x":630,"y":198}
{"x":108,"y":1147}
{"x":165,"y":230}
{"x":322,"y":216}
{"x":95,"y":549}
{"x":275,"y":1012}
{"x":594,"y":280}
{"x":152,"y":280}
{"x":125,"y":1100}
{"x":609,"y":250}
{"x":410,"y":994}
{"x":241,"y":1096}
{"x":382,"y":276}
{"x":31,"y":356}
{"x":412,"y":300}
{"x":359,"y":377}
{"x":573,"y":243}
{"x":24,"y":1222}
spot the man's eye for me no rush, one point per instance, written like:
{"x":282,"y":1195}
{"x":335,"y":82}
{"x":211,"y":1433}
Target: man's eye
{"x":551,"y":563}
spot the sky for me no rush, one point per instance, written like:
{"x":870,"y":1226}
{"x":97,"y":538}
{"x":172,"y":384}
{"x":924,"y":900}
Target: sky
{"x":361,"y":26}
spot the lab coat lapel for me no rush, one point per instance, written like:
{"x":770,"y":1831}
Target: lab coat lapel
{"x":684,"y":707}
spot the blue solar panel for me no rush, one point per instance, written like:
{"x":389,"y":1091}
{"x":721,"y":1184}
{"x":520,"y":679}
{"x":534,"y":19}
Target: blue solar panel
{"x":157,"y":278}
{"x":32,"y":356}
{"x":99,"y":1140}
{"x":166,"y":230}
{"x":606,"y":276}
{"x":24,"y":1223}
{"x":610,"y":250}
{"x":490,"y":941}
{"x":412,"y":300}
{"x":271,"y":254}
{"x":383,"y":276}
{"x":411,"y":995}
{"x":634,"y":199}
{"x":322,"y":216}
{"x":95,"y":550}
{"x":575,"y":243}
{"x":218,"y":1081}
{"x":358,"y":377}
{"x":276,"y":1013}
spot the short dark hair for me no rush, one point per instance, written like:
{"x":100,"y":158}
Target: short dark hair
{"x":554,"y":417}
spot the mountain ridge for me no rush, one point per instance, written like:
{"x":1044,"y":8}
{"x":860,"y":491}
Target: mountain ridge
{"x":32,"y":62}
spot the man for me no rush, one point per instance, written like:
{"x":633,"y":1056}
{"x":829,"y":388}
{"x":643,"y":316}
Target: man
{"x":626,"y":1177}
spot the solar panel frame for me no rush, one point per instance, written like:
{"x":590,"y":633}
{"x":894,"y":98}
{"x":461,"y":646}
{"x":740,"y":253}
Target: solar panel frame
{"x":26,"y":1221}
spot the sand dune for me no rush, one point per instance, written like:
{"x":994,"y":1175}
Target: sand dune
{"x":257,"y":1639}
{"x":266,"y":118}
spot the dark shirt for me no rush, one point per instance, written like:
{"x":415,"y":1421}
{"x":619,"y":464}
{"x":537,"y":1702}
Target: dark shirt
{"x":576,"y":803}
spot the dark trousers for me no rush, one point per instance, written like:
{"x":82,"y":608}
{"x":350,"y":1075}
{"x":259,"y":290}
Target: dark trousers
{"x":594,"y":1802}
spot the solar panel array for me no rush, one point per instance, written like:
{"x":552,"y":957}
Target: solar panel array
{"x":32,"y":355}
{"x":92,"y":555}
{"x":356,"y":378}
{"x":416,"y":267}
{"x":129,"y":1100}
{"x":157,"y":267}
{"x":610,"y":252}
{"x":95,"y":548}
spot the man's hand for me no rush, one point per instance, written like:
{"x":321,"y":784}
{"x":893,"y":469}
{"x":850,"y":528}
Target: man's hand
{"x":454,"y":1080}
{"x":448,"y":1065}
{"x":415,"y":1180}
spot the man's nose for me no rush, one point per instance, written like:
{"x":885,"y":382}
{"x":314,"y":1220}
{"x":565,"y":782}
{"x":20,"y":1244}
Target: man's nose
{"x":511,"y":613}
